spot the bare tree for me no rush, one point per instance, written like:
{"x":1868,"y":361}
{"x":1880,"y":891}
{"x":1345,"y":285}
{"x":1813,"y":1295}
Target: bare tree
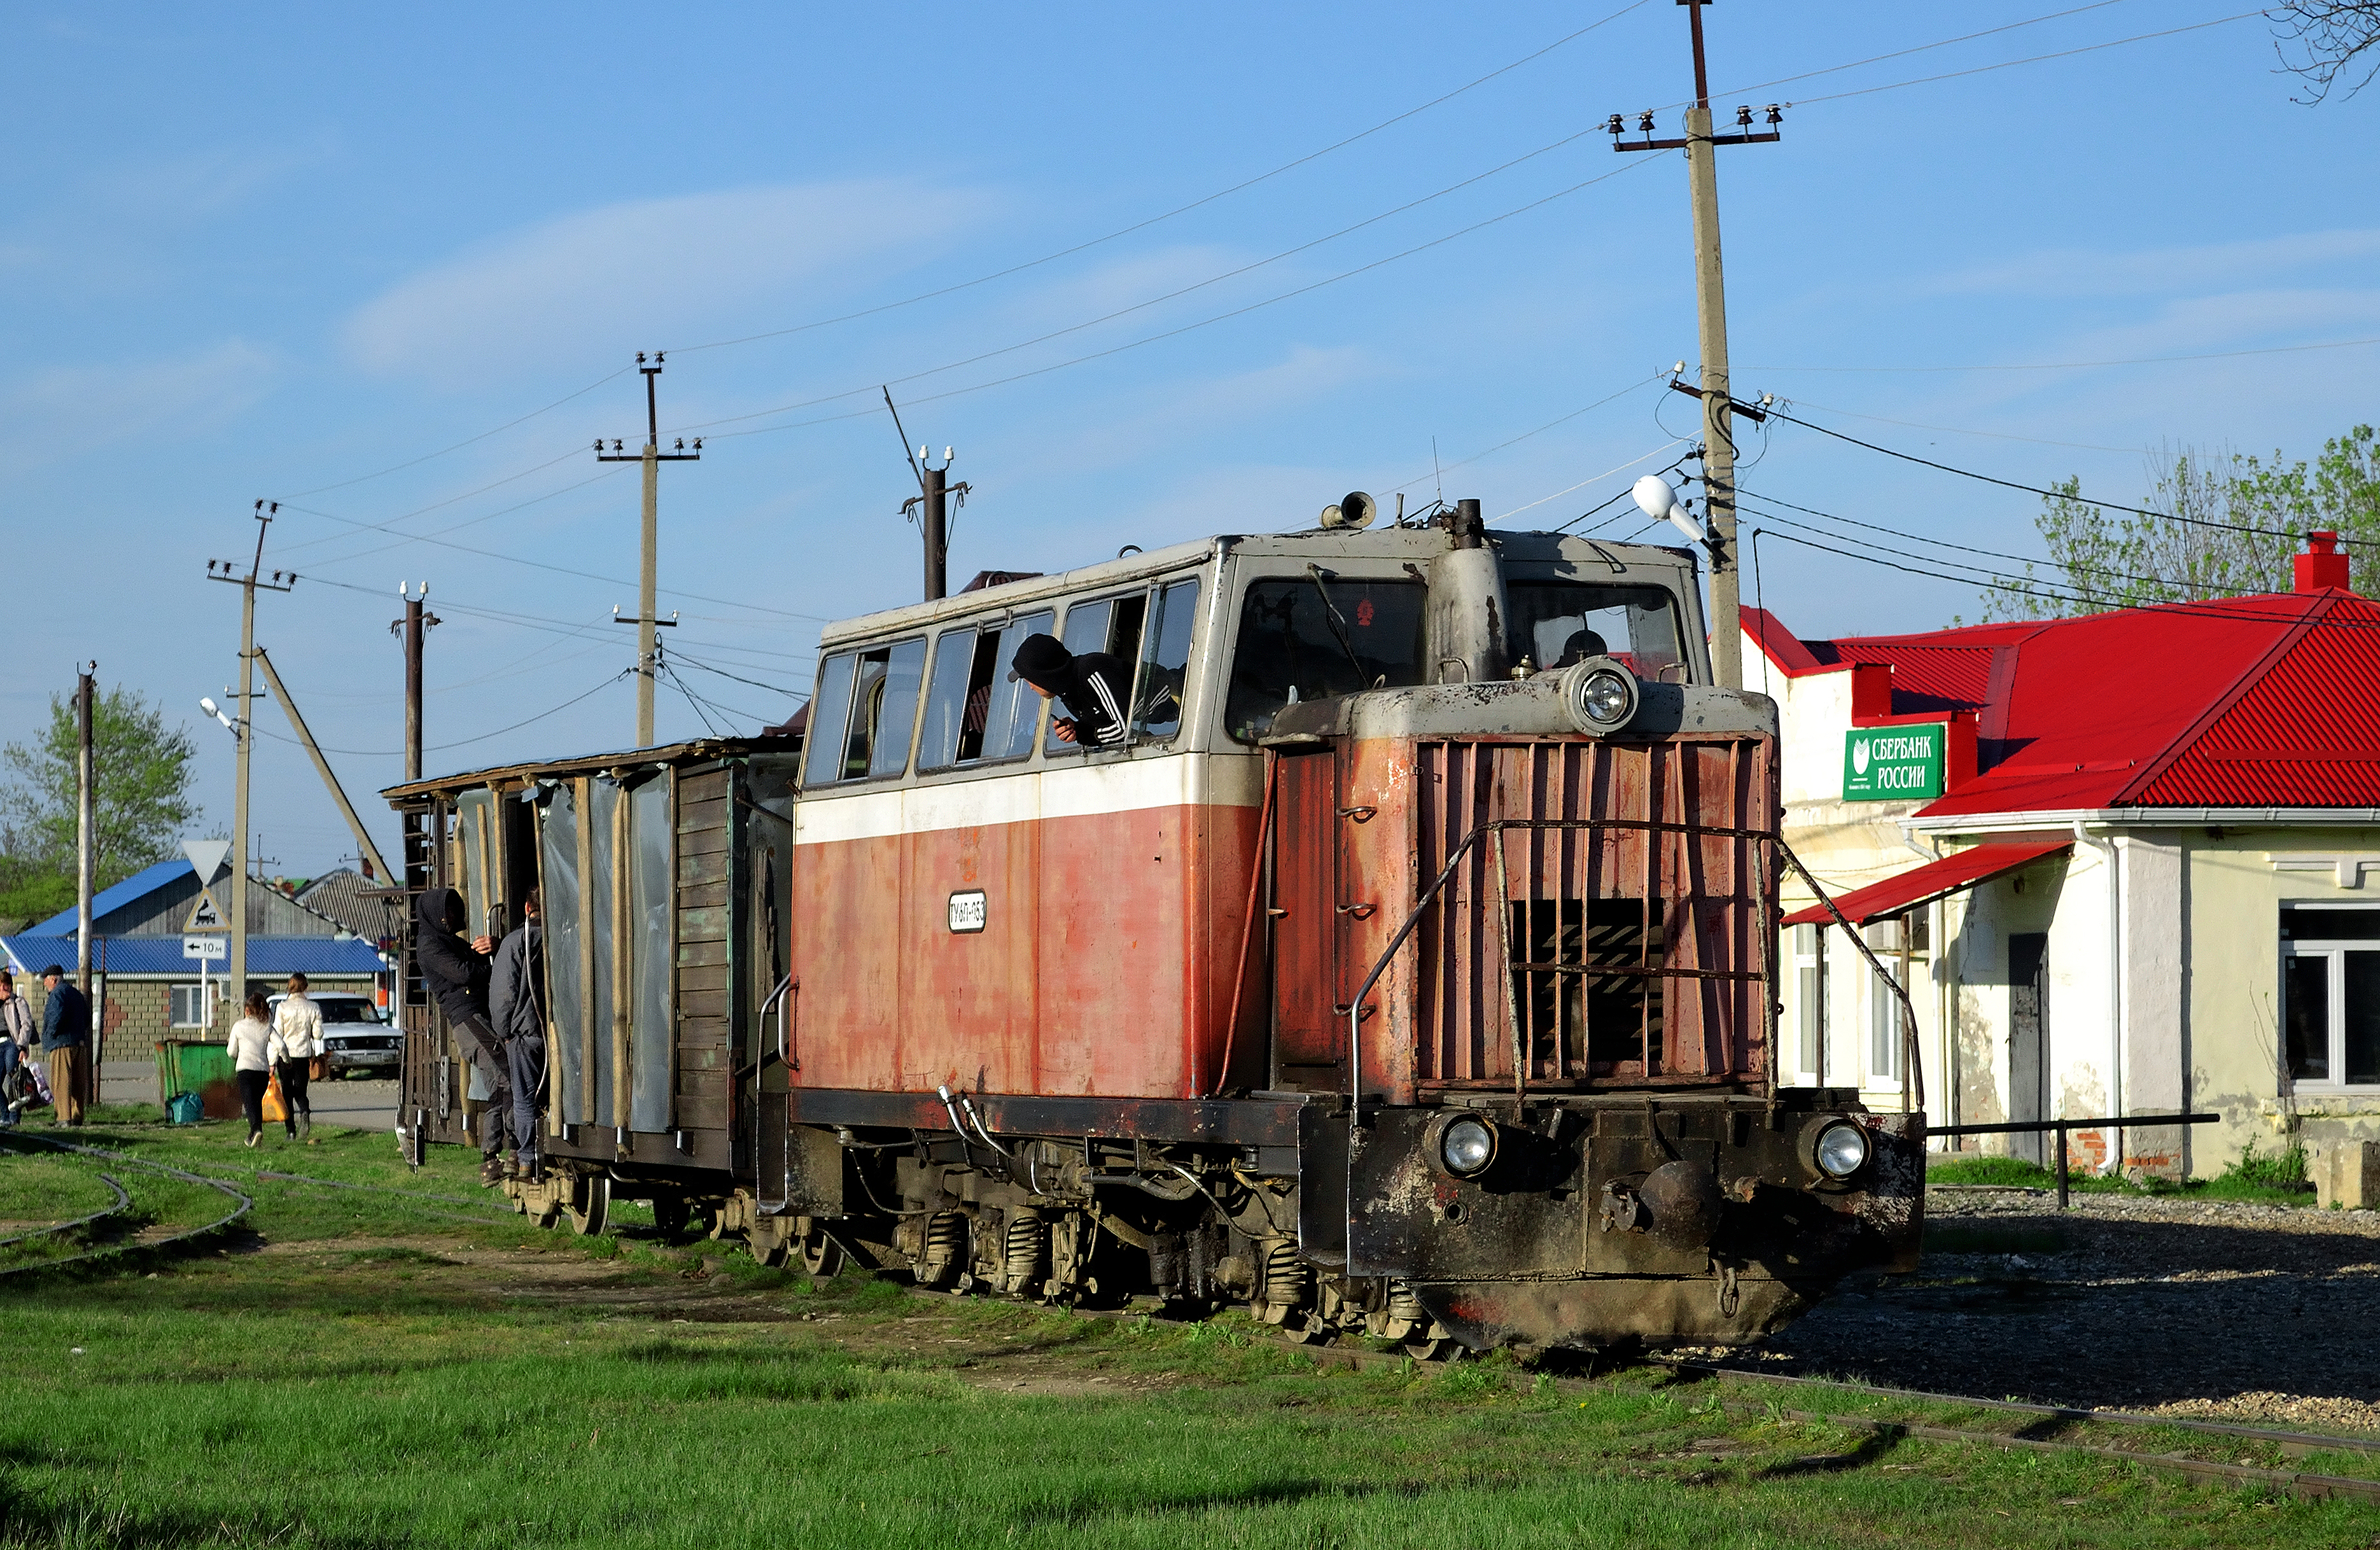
{"x":2323,"y":39}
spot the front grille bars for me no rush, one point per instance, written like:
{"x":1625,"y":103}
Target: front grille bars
{"x":1912,"y":1081}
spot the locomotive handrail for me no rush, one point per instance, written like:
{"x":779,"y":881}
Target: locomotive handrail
{"x":783,"y":1054}
{"x":1913,"y":1074}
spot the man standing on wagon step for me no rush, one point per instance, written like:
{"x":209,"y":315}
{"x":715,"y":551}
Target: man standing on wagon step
{"x":457,"y":972}
{"x":517,"y":1000}
{"x":1091,"y":685}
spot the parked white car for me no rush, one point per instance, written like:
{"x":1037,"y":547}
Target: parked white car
{"x":356,"y":1037}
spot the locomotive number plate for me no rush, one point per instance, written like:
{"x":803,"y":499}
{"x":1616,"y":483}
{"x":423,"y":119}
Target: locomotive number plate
{"x":967,"y":911}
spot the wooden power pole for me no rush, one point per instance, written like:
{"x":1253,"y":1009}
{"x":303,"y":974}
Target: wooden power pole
{"x":1710,"y":295}
{"x":235,"y":971}
{"x":931,"y":505}
{"x":652,"y":457}
{"x":86,"y":842}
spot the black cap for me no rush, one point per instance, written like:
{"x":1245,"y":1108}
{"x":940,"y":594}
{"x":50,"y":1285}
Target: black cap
{"x":53,"y":969}
{"x":1040,"y":661}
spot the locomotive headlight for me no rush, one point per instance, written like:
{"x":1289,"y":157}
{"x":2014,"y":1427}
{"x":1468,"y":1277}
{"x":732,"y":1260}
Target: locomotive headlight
{"x":1841,"y":1150}
{"x":1462,"y":1145}
{"x":1600,"y":696}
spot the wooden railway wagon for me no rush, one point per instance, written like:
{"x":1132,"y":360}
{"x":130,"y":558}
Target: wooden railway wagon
{"x":1408,"y":971}
{"x":662,"y":874}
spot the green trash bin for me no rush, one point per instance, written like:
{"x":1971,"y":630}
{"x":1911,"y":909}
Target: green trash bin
{"x":197,"y":1067}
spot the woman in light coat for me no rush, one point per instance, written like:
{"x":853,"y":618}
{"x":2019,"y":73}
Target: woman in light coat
{"x":251,"y":1048}
{"x":296,"y":1040}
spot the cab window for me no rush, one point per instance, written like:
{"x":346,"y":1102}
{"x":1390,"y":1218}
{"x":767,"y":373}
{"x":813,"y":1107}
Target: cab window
{"x":864,"y":713}
{"x":1110,"y":624}
{"x":973,"y":713}
{"x":1556,"y":624}
{"x":1316,"y":635}
{"x":1165,"y":662}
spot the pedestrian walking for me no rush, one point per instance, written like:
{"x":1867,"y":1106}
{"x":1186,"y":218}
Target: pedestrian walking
{"x":17,"y":1035}
{"x":297,"y":1043}
{"x":516,"y":1004}
{"x":251,"y":1048}
{"x":65,"y":1043}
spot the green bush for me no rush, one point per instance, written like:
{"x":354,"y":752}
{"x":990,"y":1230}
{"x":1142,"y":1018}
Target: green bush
{"x":2285,"y":1170}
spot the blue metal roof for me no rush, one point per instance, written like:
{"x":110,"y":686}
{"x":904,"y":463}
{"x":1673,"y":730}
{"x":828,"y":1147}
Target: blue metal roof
{"x":32,"y":952}
{"x":62,"y":923}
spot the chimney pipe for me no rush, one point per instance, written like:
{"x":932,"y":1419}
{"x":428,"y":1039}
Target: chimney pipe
{"x":2322,"y":565}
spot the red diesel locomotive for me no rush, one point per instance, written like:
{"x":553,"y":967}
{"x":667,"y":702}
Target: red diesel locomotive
{"x":1409,"y":971}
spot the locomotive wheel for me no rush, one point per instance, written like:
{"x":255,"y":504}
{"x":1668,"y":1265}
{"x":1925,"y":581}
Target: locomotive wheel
{"x":1428,"y":1350}
{"x":670,"y":1214}
{"x":549,"y":1214}
{"x":590,"y":1204}
{"x":770,"y":1239}
{"x":821,"y":1255}
{"x":1307,"y":1329}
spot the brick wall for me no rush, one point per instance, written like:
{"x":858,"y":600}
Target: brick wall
{"x":139,"y":1010}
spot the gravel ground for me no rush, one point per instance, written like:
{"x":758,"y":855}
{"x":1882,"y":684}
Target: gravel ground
{"x":2198,"y":1308}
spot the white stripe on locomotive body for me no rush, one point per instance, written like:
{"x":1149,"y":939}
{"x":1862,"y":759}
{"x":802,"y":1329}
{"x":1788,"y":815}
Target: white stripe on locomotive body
{"x":1125,"y":785}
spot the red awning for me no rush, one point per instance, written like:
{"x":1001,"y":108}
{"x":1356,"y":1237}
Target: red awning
{"x":1923,"y":885}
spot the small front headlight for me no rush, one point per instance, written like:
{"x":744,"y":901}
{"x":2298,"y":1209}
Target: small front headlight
{"x":1466,"y":1146}
{"x":1841,"y":1150}
{"x":1606,"y":697}
{"x":1600,"y":696}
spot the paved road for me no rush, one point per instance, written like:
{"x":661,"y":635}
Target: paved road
{"x":353,"y":1101}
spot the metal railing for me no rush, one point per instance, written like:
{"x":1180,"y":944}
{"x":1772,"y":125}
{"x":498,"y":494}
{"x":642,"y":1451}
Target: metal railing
{"x":1913,"y":1080}
{"x":2038,"y":1127}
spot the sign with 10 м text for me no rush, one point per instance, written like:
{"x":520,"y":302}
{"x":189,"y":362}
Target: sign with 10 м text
{"x":1893,"y":764}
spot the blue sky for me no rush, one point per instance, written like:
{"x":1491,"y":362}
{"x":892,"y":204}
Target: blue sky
{"x":256,"y":251}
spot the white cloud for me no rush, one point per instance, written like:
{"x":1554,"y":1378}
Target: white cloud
{"x":71,"y":409}
{"x":645,"y":270}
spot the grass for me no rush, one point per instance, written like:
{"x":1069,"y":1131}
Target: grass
{"x":2266,"y":1178}
{"x":366,"y":1373}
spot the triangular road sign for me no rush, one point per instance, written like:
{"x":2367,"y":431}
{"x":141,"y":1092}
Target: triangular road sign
{"x":205,"y":915}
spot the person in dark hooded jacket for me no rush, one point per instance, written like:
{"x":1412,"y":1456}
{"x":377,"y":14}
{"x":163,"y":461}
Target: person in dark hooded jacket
{"x":455,"y":971}
{"x":1092,"y":685}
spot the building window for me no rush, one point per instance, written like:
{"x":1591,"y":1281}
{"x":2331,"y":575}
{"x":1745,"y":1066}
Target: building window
{"x":2330,"y":995}
{"x":188,"y":1010}
{"x":1810,"y":1000}
{"x":1901,"y":944}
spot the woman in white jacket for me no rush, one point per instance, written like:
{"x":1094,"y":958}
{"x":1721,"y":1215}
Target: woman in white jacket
{"x":251,"y":1056}
{"x":296,"y":1040}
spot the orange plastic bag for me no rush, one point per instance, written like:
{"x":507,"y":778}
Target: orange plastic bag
{"x":276,"y":1107}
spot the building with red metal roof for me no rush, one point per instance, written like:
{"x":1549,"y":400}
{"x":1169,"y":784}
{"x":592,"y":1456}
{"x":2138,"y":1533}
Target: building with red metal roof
{"x":2126,"y":864}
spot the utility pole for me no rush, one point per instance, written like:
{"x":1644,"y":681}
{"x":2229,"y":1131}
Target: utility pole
{"x":86,"y":837}
{"x":652,"y":457}
{"x":931,"y":505}
{"x":1710,"y":296}
{"x":411,"y":627}
{"x":236,"y":972}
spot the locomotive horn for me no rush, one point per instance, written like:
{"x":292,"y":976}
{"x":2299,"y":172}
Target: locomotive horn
{"x":1354,"y":510}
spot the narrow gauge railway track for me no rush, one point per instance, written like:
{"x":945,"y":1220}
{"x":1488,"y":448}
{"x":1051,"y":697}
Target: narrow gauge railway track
{"x":123,"y":1203}
{"x":241,"y":1205}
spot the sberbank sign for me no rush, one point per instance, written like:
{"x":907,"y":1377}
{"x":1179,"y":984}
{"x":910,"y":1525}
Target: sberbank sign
{"x":1893,"y":764}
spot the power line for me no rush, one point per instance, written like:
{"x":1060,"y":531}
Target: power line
{"x":2185,"y":610}
{"x":482,"y":737}
{"x":1181,"y":210}
{"x":2036,"y":59}
{"x":468,"y":441}
{"x":1954,"y":429}
{"x":2070,"y":566}
{"x":2084,"y":365}
{"x":2033,"y":489}
{"x":1438,"y":470}
{"x":1904,"y":52}
{"x":404,"y":538}
{"x":1149,"y":339}
{"x":772,"y":689}
{"x":1583,"y":483}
